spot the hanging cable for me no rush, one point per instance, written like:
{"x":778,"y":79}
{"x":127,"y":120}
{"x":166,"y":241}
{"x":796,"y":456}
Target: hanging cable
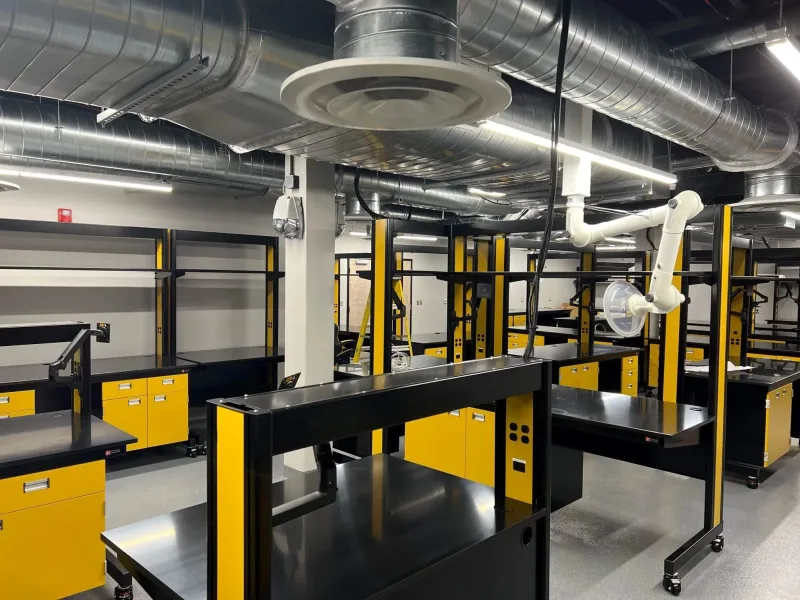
{"x":365,"y":207}
{"x":555,"y":128}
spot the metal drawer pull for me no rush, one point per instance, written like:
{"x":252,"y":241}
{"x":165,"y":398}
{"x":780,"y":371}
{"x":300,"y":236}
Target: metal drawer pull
{"x":455,"y":413}
{"x":134,"y":402}
{"x":477,"y":417}
{"x":4,"y":416}
{"x":36,"y":486}
{"x":575,"y":370}
{"x":169,"y":381}
{"x":630,"y":373}
{"x":162,"y":398}
{"x":5,"y":399}
{"x":630,"y":386}
{"x":125,"y":386}
{"x":585,"y":369}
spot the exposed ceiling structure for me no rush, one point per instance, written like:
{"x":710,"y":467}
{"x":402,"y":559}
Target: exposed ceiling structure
{"x":211,"y":72}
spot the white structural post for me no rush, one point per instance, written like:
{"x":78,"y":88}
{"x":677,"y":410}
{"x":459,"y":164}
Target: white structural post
{"x":309,"y":286}
{"x":577,"y":175}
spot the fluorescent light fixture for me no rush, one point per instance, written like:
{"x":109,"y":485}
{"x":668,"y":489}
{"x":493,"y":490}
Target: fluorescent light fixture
{"x":417,"y":238}
{"x":480,"y":192}
{"x":785,"y":48}
{"x":128,"y":185}
{"x":619,"y":240}
{"x":578,"y":151}
{"x":359,"y":234}
{"x":615,"y":247}
{"x":791,"y":215}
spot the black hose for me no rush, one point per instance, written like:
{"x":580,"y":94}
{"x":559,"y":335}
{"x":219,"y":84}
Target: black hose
{"x":365,"y":207}
{"x":555,"y":127}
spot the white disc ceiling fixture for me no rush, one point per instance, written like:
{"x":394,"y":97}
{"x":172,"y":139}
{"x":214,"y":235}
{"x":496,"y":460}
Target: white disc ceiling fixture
{"x":395,"y":68}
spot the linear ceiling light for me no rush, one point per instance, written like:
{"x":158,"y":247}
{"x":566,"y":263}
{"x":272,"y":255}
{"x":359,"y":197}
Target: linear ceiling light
{"x":417,"y":238}
{"x":129,"y":185}
{"x":785,"y":48}
{"x":791,"y":215}
{"x":619,"y":240}
{"x":615,"y":247}
{"x":480,"y":192}
{"x":578,"y":151}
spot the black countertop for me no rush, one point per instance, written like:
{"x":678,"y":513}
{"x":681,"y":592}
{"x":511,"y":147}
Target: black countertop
{"x":564,"y":355}
{"x":426,"y":517}
{"x":767,"y":373}
{"x":211,"y":357}
{"x":566,"y":332}
{"x":50,"y":440}
{"x":23,"y":377}
{"x":648,"y":418}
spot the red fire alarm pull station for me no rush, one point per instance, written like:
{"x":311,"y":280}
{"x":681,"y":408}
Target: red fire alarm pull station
{"x":65,"y":215}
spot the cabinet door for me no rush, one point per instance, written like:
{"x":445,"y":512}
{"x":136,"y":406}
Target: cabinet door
{"x":480,"y":446}
{"x":11,"y":402}
{"x":130,"y":415}
{"x":777,"y":436}
{"x":167,"y":418}
{"x":68,"y":533}
{"x":584,"y":377}
{"x":438,"y":442}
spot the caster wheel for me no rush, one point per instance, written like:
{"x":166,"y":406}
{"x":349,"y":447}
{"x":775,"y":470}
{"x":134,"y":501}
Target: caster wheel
{"x":672,"y":585}
{"x":203,"y":450}
{"x":123,"y":593}
{"x":718,"y":544}
{"x":752,"y":483}
{"x":191,"y":452}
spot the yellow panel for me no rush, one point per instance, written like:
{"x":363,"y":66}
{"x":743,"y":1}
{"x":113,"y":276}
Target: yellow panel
{"x":693,"y":354}
{"x":777,"y":437}
{"x":126,"y":388}
{"x":520,"y":320}
{"x":69,"y":532}
{"x":436,"y":352}
{"x":738,"y":267}
{"x":167,"y":418}
{"x":19,"y":413}
{"x":584,"y":316}
{"x":517,"y":340}
{"x":438,"y":442}
{"x":584,"y":377}
{"x":499,"y":295}
{"x":482,"y":248}
{"x":519,"y":455}
{"x":774,"y":357}
{"x":161,"y":326}
{"x":17,"y":401}
{"x":48,"y":487}
{"x":168,"y":383}
{"x":670,"y":339}
{"x":230,"y":505}
{"x":130,"y":415}
{"x":480,"y":446}
{"x":459,"y":250}
{"x":723,"y":291}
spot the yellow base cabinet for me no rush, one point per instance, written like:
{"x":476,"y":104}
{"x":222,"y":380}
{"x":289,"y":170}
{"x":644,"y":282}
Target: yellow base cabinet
{"x":16,"y":402}
{"x":441,"y":352}
{"x":584,"y":377}
{"x":130,"y":415}
{"x":58,"y":513}
{"x":167,"y":418}
{"x":629,"y":378}
{"x":777,"y":435}
{"x":439,"y":442}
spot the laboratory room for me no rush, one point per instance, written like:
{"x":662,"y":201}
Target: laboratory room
{"x":399,"y":299}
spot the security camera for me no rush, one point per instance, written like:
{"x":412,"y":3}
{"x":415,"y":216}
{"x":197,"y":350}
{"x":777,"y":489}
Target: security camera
{"x":287,"y":218}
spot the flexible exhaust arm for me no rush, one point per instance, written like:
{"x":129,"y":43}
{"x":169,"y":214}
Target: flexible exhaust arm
{"x":662,"y":297}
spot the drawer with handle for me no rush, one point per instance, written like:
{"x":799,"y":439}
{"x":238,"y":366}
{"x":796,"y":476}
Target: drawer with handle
{"x":124,"y":389}
{"x":11,"y":402}
{"x":129,"y":415}
{"x":168,"y":383}
{"x":19,"y":413}
{"x":46,"y":487}
{"x":167,"y":418}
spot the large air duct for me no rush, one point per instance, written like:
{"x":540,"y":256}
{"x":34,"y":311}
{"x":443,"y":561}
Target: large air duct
{"x":620,"y":69}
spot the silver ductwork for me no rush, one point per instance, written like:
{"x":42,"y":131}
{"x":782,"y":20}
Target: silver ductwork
{"x":772,"y":187}
{"x":742,"y":37}
{"x":620,"y":69}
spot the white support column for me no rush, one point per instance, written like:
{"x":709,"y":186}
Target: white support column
{"x":309,"y":287}
{"x":577,"y":176}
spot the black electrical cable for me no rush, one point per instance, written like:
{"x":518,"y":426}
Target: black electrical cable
{"x":365,"y":207}
{"x":555,"y":127}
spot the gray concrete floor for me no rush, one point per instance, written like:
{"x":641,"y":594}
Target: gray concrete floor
{"x":609,"y":545}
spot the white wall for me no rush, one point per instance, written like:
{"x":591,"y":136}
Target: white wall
{"x":554,"y":292}
{"x":214,"y":311}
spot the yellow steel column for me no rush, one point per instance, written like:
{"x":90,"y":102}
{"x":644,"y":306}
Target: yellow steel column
{"x":670,"y":343}
{"x":336,"y":289}
{"x":229,"y":504}
{"x":738,"y":267}
{"x":380,"y":304}
{"x":272,"y":298}
{"x":585,"y":319}
{"x":459,"y":297}
{"x":500,"y":300}
{"x":482,"y":248}
{"x":397,"y":324}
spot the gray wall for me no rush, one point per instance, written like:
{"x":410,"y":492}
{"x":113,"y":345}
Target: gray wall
{"x":214,"y":311}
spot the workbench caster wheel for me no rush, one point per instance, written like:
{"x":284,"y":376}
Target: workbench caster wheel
{"x":718,"y":544}
{"x":123,"y":593}
{"x":752,"y":482}
{"x":191,"y":451}
{"x":203,"y":449}
{"x":672,"y":585}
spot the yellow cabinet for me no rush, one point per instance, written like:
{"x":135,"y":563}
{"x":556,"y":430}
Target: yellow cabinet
{"x":583,"y":377}
{"x":517,"y":340}
{"x":438,"y":442}
{"x":520,"y":320}
{"x":12,"y":402}
{"x":778,"y":424}
{"x":48,"y":487}
{"x":69,"y":531}
{"x":168,"y":383}
{"x":167,"y":418}
{"x":128,"y":388}
{"x":19,"y":413}
{"x":693,"y":354}
{"x":480,"y":446}
{"x":441,"y":352}
{"x":130,"y":415}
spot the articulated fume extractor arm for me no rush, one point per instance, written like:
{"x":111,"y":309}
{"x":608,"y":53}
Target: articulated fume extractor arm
{"x":662,"y":297}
